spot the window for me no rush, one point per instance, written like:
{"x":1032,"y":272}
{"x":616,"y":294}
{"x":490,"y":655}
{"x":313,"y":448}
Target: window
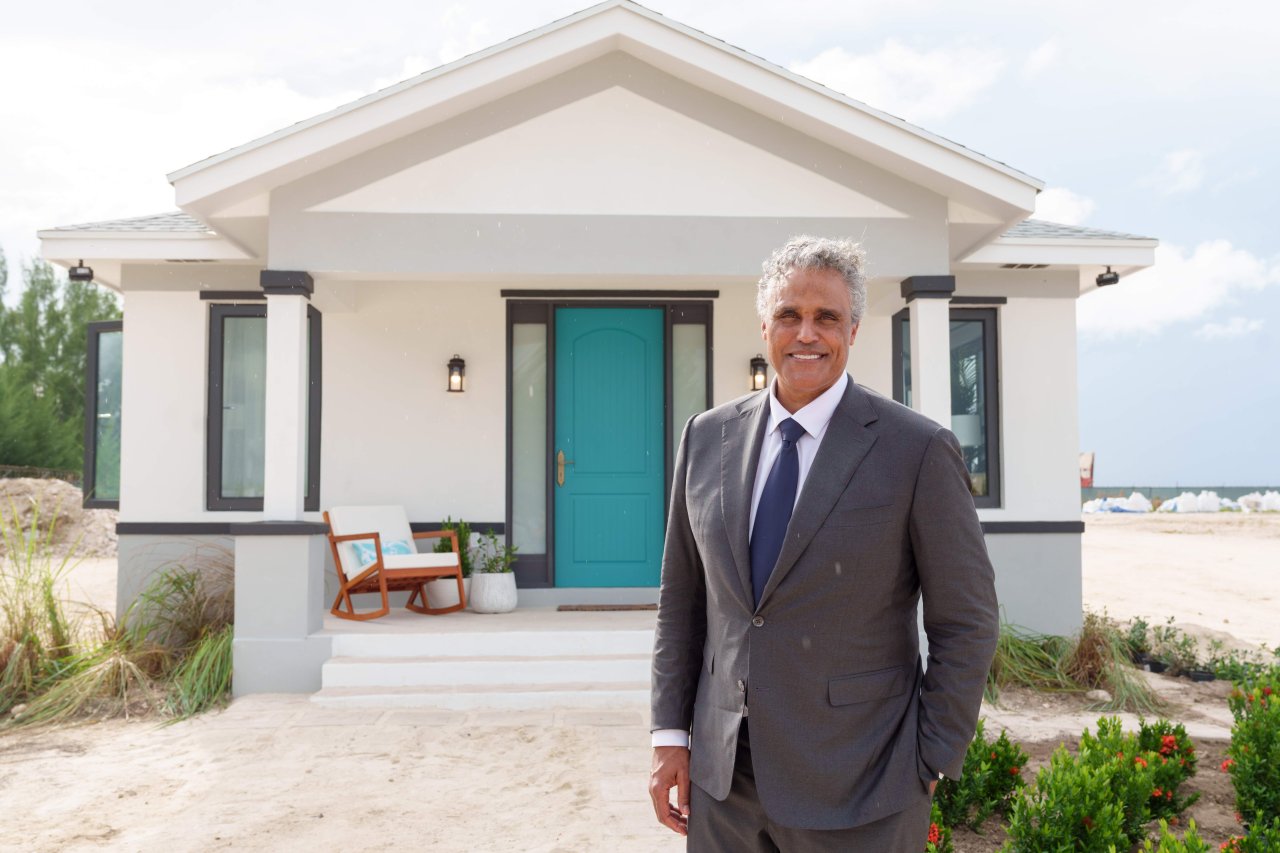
{"x":974,"y":393}
{"x":236,"y":440}
{"x":102,"y":415}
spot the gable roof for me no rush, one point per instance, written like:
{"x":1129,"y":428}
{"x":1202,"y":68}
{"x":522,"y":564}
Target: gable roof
{"x":240,"y":173}
{"x":164,"y":223}
{"x":1039,"y":229}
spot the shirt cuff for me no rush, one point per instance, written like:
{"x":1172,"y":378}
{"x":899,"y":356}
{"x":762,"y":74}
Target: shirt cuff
{"x":671,"y":737}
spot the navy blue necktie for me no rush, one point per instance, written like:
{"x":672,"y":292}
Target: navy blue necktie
{"x":774,"y":511}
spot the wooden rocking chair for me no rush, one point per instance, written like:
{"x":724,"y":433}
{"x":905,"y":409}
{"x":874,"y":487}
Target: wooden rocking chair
{"x":374,"y":550}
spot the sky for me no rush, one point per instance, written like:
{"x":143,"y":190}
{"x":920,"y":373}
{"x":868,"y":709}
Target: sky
{"x":1158,"y":119}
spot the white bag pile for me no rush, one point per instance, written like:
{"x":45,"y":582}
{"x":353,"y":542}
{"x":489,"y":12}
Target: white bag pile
{"x":1136,"y":502}
{"x":1191,"y":502}
{"x":1255,"y":502}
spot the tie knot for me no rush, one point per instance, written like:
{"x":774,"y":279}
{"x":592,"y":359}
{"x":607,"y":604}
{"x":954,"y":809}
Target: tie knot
{"x":791,"y":431}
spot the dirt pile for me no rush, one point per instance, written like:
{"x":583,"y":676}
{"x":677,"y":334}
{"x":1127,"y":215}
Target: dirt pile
{"x":78,"y":531}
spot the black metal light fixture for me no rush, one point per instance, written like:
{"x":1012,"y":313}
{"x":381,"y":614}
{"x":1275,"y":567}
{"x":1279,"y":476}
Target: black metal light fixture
{"x":80,"y":272}
{"x":1108,"y":277}
{"x":457,"y":374}
{"x":759,"y":373}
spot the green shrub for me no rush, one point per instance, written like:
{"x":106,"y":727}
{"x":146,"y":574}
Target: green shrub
{"x":1259,"y":839}
{"x":1254,"y":754}
{"x":1170,"y":843}
{"x":939,"y":838}
{"x":992,"y":773}
{"x":203,"y":678}
{"x":463,"y":529}
{"x":1070,"y":807}
{"x":1133,"y":782}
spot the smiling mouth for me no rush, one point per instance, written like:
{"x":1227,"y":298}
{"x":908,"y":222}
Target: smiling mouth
{"x":806,"y":356}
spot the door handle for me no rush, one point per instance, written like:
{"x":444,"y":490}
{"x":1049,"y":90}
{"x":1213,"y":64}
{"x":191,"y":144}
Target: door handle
{"x":560,"y":463}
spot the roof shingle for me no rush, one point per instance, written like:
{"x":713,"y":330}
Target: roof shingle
{"x":1040,"y":229}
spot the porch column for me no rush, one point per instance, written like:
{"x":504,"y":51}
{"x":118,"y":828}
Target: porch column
{"x":928,"y":302}
{"x":288,"y":293}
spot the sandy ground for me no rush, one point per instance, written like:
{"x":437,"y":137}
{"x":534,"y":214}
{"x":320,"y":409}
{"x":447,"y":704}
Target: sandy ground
{"x":276,"y":773}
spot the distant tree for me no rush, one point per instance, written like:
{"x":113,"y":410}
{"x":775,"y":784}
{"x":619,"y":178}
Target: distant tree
{"x":42,"y":364}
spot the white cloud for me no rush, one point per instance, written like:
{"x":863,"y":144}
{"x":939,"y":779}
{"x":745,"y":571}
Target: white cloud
{"x":119,"y":125}
{"x":1059,"y":204}
{"x":1180,"y":288}
{"x":1181,"y":171}
{"x":1041,"y":58}
{"x":1236,"y":327}
{"x":918,"y":86}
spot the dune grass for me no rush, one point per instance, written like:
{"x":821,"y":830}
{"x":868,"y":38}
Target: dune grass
{"x":170,"y":653}
{"x":1096,"y":658}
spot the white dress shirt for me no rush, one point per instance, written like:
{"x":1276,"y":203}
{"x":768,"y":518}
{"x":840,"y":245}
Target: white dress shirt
{"x":814,"y":418}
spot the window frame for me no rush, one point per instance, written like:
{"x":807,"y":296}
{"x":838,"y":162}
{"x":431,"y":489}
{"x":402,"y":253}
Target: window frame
{"x":214,"y":501}
{"x":989,"y":317}
{"x":89,"y":476}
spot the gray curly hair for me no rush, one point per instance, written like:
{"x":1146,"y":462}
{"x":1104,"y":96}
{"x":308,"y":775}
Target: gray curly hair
{"x":814,"y":253}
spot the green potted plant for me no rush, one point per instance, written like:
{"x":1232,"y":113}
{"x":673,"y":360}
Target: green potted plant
{"x":444,"y":593}
{"x":493,"y":585}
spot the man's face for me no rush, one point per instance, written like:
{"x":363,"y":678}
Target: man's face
{"x":808,"y":335}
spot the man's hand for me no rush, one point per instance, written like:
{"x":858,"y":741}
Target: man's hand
{"x":670,"y":770}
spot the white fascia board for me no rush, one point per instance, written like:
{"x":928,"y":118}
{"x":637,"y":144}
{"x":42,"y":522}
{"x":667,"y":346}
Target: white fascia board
{"x":139,"y":246}
{"x":1116,"y":253}
{"x":507,"y":67}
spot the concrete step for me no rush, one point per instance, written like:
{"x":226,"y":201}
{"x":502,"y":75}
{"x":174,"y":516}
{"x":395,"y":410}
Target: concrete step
{"x":497,"y":697}
{"x":473,"y":644}
{"x":484,"y":671}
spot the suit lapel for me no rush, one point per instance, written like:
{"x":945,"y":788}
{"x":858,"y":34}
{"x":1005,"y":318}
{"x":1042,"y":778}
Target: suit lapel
{"x":741,"y":439}
{"x":844,"y":446}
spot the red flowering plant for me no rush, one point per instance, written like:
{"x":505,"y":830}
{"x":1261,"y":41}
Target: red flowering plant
{"x":939,"y":838}
{"x":992,"y":773}
{"x":1259,"y":839}
{"x":1168,"y":842}
{"x":1136,"y":772}
{"x":1254,"y":753}
{"x":1173,"y":757}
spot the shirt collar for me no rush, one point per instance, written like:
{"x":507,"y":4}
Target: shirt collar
{"x":813,"y":417}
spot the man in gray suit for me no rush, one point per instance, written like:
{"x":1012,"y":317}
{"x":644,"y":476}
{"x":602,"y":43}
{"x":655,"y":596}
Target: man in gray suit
{"x":806,"y":522}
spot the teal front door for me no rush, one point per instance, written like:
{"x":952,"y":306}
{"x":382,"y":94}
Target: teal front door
{"x":608,"y":464}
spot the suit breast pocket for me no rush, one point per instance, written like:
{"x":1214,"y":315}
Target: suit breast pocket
{"x":860,"y":516}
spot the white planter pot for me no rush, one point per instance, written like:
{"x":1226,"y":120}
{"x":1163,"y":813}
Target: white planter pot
{"x":444,"y":592}
{"x":493,"y":592}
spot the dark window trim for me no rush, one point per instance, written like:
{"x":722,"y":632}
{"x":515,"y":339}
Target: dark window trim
{"x":979,"y":300}
{"x":214,"y":501}
{"x":89,"y":477}
{"x":991,"y":380}
{"x":314,"y":528}
{"x":262,"y":528}
{"x":538,"y":570}
{"x":232,"y":296}
{"x":569,"y":295}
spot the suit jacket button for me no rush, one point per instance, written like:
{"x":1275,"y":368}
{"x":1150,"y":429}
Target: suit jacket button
{"x":758,"y":621}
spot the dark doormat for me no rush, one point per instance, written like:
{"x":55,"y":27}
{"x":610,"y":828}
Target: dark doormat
{"x":593,"y":607}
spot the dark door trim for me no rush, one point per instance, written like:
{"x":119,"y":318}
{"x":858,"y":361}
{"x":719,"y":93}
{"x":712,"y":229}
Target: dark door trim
{"x":538,"y":570}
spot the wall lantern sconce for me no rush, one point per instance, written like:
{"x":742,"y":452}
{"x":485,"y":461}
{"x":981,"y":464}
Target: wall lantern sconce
{"x":759,"y":373}
{"x":80,"y":273}
{"x":457,"y":374}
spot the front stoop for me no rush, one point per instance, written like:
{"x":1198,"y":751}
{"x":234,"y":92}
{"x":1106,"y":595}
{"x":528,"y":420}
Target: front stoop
{"x":500,"y":669}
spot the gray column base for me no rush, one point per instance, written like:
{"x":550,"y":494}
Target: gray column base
{"x":278,"y":666}
{"x":1038,"y":580}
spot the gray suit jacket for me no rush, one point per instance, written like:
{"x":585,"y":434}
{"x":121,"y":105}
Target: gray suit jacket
{"x":843,"y":721}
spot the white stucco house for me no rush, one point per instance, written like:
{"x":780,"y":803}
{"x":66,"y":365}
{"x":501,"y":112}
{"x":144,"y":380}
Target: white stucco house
{"x":579,"y":215}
